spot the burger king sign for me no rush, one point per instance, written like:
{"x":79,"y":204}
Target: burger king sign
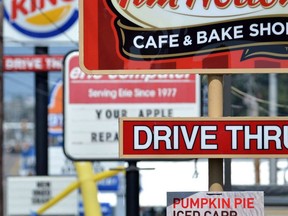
{"x":35,"y":20}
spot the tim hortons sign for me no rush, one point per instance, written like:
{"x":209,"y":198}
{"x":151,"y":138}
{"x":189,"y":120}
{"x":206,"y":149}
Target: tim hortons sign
{"x":135,"y":35}
{"x":203,"y":137}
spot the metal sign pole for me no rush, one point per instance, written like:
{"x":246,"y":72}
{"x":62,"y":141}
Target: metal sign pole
{"x":132,"y":189}
{"x":215,"y":109}
{"x":41,"y":120}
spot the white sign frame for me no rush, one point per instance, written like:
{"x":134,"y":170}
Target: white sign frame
{"x":78,"y":126}
{"x":25,"y":195}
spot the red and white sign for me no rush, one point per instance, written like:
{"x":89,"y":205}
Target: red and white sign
{"x":203,"y":138}
{"x":43,"y":22}
{"x":169,"y":36}
{"x":215,"y":203}
{"x":37,"y":63}
{"x":93,"y":104}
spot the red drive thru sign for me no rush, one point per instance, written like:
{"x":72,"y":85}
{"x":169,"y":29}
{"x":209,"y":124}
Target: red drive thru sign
{"x":128,"y":36}
{"x":38,"y":63}
{"x":203,"y":138}
{"x":93,"y":104}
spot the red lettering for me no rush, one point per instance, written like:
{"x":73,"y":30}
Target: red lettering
{"x":212,"y":203}
{"x":162,"y":3}
{"x":250,"y":202}
{"x":222,"y":4}
{"x":204,"y":201}
{"x":283,"y":3}
{"x":123,"y":3}
{"x":176,"y":201}
{"x":194,"y":203}
{"x":53,"y":2}
{"x":240,"y":3}
{"x":206,"y":3}
{"x":190,"y":3}
{"x":151,"y":3}
{"x":139,"y":3}
{"x":237,"y":202}
{"x":267,"y":4}
{"x":40,"y":4}
{"x":33,"y":5}
{"x":18,"y":6}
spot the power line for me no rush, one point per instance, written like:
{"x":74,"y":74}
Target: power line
{"x":241,"y":94}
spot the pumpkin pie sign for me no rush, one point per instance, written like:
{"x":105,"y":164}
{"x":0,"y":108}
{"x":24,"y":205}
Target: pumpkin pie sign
{"x":166,"y":35}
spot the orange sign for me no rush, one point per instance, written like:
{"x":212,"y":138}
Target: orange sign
{"x":55,"y":110}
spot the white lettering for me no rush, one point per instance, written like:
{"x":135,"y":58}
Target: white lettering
{"x":234,"y":138}
{"x":272,"y":137}
{"x":162,"y":133}
{"x":136,"y":132}
{"x":205,"y":136}
{"x":189,"y":142}
{"x":249,"y":136}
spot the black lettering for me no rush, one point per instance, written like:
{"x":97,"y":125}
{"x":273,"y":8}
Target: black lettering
{"x":124,"y":113}
{"x":108,"y":136}
{"x":115,"y":114}
{"x":141,"y":113}
{"x":98,"y":113}
{"x":101,"y":137}
{"x":93,"y":137}
{"x":108,"y":114}
{"x":149,"y":112}
{"x":156,"y":112}
{"x":40,"y":200}
{"x":116,"y":138}
{"x":104,"y":137}
{"x":43,"y":184}
{"x":41,"y":193}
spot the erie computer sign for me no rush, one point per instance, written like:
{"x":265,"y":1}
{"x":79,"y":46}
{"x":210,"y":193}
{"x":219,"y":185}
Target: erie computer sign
{"x":93,"y":104}
{"x":132,"y":36}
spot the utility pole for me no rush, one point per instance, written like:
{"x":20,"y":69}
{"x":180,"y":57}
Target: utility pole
{"x":1,"y":109}
{"x":273,"y":111}
{"x":253,"y":111}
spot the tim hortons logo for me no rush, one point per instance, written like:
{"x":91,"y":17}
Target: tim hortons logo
{"x":161,"y":29}
{"x":206,"y":3}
